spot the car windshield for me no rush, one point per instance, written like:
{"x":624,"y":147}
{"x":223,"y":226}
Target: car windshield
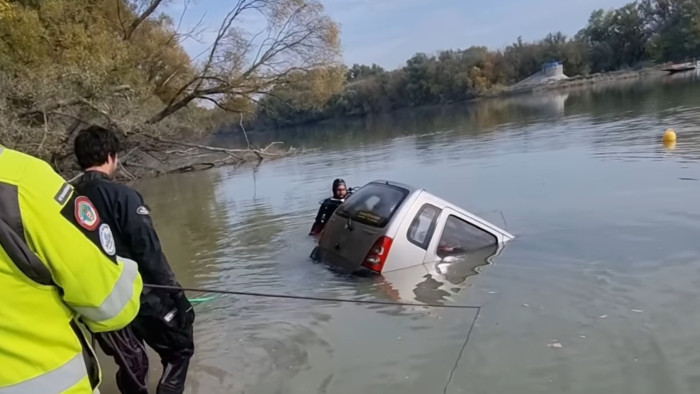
{"x":373,"y":204}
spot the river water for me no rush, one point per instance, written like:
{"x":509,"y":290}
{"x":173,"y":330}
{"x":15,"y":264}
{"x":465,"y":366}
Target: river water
{"x":605,"y":263}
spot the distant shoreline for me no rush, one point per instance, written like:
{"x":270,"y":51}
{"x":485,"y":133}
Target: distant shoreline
{"x":579,"y":81}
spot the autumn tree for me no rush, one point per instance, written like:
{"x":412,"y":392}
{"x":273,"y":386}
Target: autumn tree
{"x":297,"y":37}
{"x":70,"y":63}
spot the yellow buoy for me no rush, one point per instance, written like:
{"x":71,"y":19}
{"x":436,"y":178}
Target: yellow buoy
{"x":669,"y":135}
{"x":670,"y":145}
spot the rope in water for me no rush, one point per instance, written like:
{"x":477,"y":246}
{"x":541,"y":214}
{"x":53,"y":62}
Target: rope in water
{"x":294,"y":297}
{"x":307,"y":298}
{"x":461,"y":352}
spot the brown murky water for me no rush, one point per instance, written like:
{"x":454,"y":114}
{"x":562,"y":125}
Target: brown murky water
{"x":606,"y":262}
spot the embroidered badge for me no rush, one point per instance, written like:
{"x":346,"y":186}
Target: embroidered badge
{"x":107,"y":239}
{"x":86,"y":214}
{"x":142,"y":210}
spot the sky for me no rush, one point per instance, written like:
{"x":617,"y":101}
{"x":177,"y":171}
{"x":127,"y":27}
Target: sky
{"x":388,"y":32}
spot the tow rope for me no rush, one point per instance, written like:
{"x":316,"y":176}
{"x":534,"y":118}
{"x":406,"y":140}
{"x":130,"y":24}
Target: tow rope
{"x":295,"y":297}
{"x":307,"y":298}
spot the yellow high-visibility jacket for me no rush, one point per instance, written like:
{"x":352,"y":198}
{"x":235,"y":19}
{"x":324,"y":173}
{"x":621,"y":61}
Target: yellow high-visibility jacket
{"x":57,"y":265}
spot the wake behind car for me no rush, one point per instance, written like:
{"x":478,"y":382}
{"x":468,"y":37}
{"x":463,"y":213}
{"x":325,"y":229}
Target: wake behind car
{"x":387,"y":226}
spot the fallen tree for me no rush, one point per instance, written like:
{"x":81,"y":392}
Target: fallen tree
{"x":68,"y":64}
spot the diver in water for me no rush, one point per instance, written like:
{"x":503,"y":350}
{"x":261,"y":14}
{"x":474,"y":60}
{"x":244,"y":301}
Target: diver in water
{"x":328,"y":206}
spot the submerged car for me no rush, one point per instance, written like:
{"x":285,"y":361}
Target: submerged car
{"x":387,"y":226}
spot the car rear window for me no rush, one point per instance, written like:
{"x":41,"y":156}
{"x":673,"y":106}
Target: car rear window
{"x":374,"y":204}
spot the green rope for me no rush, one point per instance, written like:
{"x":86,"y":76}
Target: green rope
{"x":201,"y":299}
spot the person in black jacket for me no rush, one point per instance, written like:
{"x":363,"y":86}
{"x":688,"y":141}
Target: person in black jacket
{"x":166,"y":317}
{"x":329,"y":205}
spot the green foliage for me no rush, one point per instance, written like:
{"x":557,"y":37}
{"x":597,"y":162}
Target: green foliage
{"x":65,"y":64}
{"x":635,"y":34}
{"x":674,"y":28}
{"x":362,"y":71}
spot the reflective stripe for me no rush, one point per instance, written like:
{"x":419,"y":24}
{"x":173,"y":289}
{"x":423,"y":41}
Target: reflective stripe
{"x":13,"y":240}
{"x":120,"y":296}
{"x":56,"y":381}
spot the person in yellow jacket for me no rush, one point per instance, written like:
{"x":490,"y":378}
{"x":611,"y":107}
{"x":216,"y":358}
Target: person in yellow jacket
{"x":58,"y":267}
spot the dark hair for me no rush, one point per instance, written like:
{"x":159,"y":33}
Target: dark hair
{"x":93,"y":145}
{"x":337,"y":183}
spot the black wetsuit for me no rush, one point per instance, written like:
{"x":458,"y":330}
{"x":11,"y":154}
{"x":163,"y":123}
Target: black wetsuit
{"x":328,"y":206}
{"x":124,"y":210}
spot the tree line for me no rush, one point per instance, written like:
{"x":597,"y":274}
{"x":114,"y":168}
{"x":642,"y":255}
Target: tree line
{"x":65,"y":64}
{"x":638,"y":34}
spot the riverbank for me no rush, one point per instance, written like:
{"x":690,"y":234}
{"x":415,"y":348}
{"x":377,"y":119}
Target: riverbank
{"x":580,"y":81}
{"x":177,"y":156}
{"x":577,"y":82}
{"x":164,"y":157}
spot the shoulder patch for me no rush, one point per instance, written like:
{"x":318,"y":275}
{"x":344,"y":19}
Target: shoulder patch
{"x":63,"y":193}
{"x":86,"y":214}
{"x":107,"y":239}
{"x":142,"y":210}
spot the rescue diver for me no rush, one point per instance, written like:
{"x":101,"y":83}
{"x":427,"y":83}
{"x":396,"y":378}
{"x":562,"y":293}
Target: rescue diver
{"x":329,"y":205}
{"x":58,"y":267}
{"x":135,"y":237}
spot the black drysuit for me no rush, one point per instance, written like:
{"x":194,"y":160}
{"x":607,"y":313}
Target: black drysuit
{"x":135,"y":238}
{"x":328,"y":206}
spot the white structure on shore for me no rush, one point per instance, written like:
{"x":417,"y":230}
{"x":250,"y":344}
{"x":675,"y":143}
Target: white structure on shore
{"x":551,"y":72}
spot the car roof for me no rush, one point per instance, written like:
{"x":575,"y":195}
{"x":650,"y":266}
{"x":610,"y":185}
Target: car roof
{"x":412,"y":189}
{"x":408,"y":187}
{"x":441,"y":201}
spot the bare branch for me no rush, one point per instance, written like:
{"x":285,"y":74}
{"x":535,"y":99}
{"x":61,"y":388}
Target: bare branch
{"x":299,"y":38}
{"x":240,"y":7}
{"x":121,"y":166}
{"x":109,"y":119}
{"x":67,"y":103}
{"x":76,"y":118}
{"x":182,"y":15}
{"x":215,"y":102}
{"x":119,"y":17}
{"x":244,"y":133}
{"x":231,"y":152}
{"x":139,"y":20}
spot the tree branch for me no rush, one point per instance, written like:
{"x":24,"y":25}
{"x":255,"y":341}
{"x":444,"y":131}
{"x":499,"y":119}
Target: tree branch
{"x":230,"y":152}
{"x":244,"y":133}
{"x":296,"y":41}
{"x":139,"y":20}
{"x":67,"y":103}
{"x":119,"y":17}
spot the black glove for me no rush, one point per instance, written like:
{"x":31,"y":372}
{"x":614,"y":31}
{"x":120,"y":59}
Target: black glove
{"x":185,"y":312}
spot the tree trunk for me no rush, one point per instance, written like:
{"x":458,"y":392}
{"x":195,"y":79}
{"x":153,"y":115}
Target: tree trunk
{"x":170,"y":109}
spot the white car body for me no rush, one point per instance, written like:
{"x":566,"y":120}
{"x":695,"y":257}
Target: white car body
{"x":410,"y":223}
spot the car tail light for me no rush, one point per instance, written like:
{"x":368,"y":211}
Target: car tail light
{"x":376,"y":257}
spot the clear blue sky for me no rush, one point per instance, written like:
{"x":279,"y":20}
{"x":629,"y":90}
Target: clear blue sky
{"x":388,"y":32}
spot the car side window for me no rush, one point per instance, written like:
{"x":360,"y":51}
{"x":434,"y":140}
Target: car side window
{"x":460,"y":236}
{"x":423,"y":225}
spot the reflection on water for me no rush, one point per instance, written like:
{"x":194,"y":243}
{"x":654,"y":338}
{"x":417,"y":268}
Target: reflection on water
{"x":605,"y":262}
{"x":436,"y":282}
